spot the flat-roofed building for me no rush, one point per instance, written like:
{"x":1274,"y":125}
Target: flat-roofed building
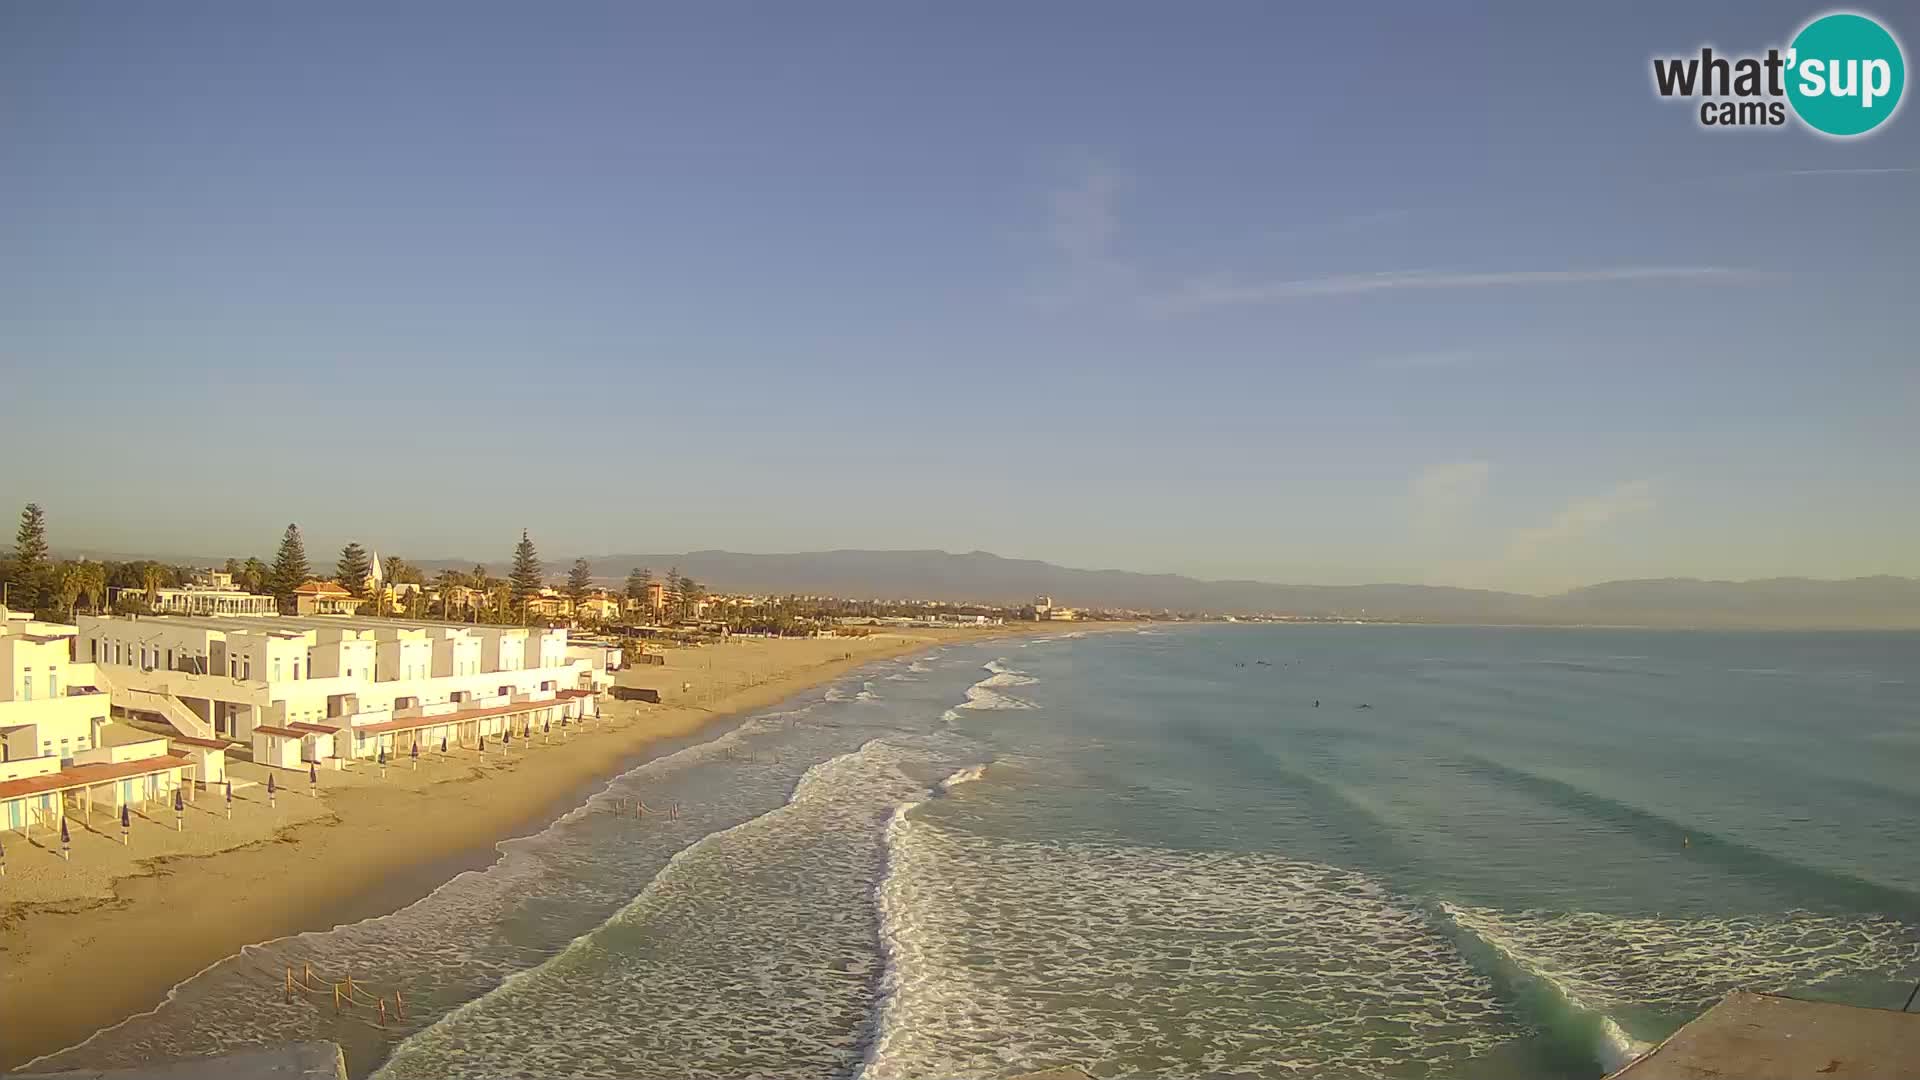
{"x":50,"y":705}
{"x":217,"y":678}
{"x":206,"y":600}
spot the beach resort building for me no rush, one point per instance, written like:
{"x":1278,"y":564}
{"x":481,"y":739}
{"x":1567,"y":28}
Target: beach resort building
{"x":56,"y":739}
{"x":50,"y":706}
{"x":328,"y":689}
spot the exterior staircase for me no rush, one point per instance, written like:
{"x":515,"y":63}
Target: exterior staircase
{"x":166,"y":707}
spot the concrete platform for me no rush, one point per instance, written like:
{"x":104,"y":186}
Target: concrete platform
{"x":295,"y":1061}
{"x":1763,"y":1037}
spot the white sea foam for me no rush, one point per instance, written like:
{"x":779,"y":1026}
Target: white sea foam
{"x":990,"y":692}
{"x":1610,"y":961}
{"x":751,"y":954}
{"x":982,"y":696}
{"x":1002,"y":956}
{"x":965,"y":776}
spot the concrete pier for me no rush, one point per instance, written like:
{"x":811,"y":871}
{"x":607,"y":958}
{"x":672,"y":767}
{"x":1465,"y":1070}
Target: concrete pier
{"x":1764,"y":1037}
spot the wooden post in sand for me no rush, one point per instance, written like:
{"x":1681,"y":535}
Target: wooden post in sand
{"x":399,"y":1006}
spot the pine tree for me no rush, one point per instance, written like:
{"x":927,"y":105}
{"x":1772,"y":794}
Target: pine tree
{"x":637,"y":581}
{"x":670,"y":598}
{"x":580,"y":580}
{"x":525,"y":577}
{"x":352,"y":569}
{"x":32,"y":573}
{"x":290,"y":569}
{"x":691,"y":593}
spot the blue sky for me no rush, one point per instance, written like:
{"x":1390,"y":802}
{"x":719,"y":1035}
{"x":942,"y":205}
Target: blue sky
{"x":1231,"y":289}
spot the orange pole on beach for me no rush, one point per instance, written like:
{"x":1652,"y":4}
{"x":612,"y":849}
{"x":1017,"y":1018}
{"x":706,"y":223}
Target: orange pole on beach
{"x":383,"y":1012}
{"x":399,"y":1005}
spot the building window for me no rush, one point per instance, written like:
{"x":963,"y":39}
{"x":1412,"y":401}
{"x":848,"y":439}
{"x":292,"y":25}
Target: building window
{"x":169,"y":659}
{"x":27,"y":688}
{"x":276,"y":669}
{"x":53,"y":683}
{"x":93,"y":651}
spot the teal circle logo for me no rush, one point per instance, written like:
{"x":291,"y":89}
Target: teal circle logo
{"x":1845,"y":74}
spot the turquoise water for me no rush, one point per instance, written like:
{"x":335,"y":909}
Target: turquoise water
{"x":1329,"y":851}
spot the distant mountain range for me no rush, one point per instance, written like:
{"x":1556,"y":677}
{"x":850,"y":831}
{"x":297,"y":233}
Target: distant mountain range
{"x":982,"y":577}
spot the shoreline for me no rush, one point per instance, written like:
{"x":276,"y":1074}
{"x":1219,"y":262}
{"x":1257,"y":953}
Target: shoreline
{"x":132,"y":927}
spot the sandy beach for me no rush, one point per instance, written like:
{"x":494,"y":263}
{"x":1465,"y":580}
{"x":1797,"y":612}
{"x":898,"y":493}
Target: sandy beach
{"x":86,"y":943}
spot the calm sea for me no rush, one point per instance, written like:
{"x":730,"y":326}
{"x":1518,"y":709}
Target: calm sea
{"x":1326,"y":851}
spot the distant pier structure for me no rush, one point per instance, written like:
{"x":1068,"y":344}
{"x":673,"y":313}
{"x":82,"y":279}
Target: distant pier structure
{"x":1764,"y":1037}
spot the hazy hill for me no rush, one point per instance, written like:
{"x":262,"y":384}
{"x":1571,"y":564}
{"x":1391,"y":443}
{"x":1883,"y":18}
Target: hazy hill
{"x":984,"y":577}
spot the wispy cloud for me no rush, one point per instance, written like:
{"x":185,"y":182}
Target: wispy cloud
{"x":1581,"y":517}
{"x":1350,"y":223}
{"x":1429,"y":360}
{"x":1444,"y":495}
{"x":1204,"y":295}
{"x":1850,"y":172}
{"x":1082,"y":224}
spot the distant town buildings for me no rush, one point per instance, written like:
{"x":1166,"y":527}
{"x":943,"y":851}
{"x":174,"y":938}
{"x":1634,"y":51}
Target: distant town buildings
{"x":1045,"y":610}
{"x":325,"y":598}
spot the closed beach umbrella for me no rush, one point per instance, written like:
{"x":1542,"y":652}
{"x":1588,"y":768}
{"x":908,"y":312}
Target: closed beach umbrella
{"x":416,"y":753}
{"x":443,"y":744}
{"x":179,"y":811}
{"x":313,"y":778}
{"x":126,"y":823}
{"x":66,"y":841}
{"x":3,"y":860}
{"x":483,"y":744}
{"x":383,"y":761}
{"x":271,"y":800}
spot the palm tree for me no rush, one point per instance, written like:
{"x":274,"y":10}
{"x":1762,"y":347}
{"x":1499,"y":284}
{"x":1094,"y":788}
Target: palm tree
{"x":93,"y":583}
{"x":150,"y":581}
{"x":69,"y":583}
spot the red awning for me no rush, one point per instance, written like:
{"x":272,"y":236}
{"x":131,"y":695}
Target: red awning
{"x":85,"y":775}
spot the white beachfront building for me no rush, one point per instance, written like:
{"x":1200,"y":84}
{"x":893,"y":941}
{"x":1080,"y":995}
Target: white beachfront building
{"x":326,"y":689}
{"x":53,"y":734}
{"x":50,"y":706}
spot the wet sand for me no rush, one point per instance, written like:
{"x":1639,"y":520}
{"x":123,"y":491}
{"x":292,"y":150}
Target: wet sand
{"x":88,"y":943}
